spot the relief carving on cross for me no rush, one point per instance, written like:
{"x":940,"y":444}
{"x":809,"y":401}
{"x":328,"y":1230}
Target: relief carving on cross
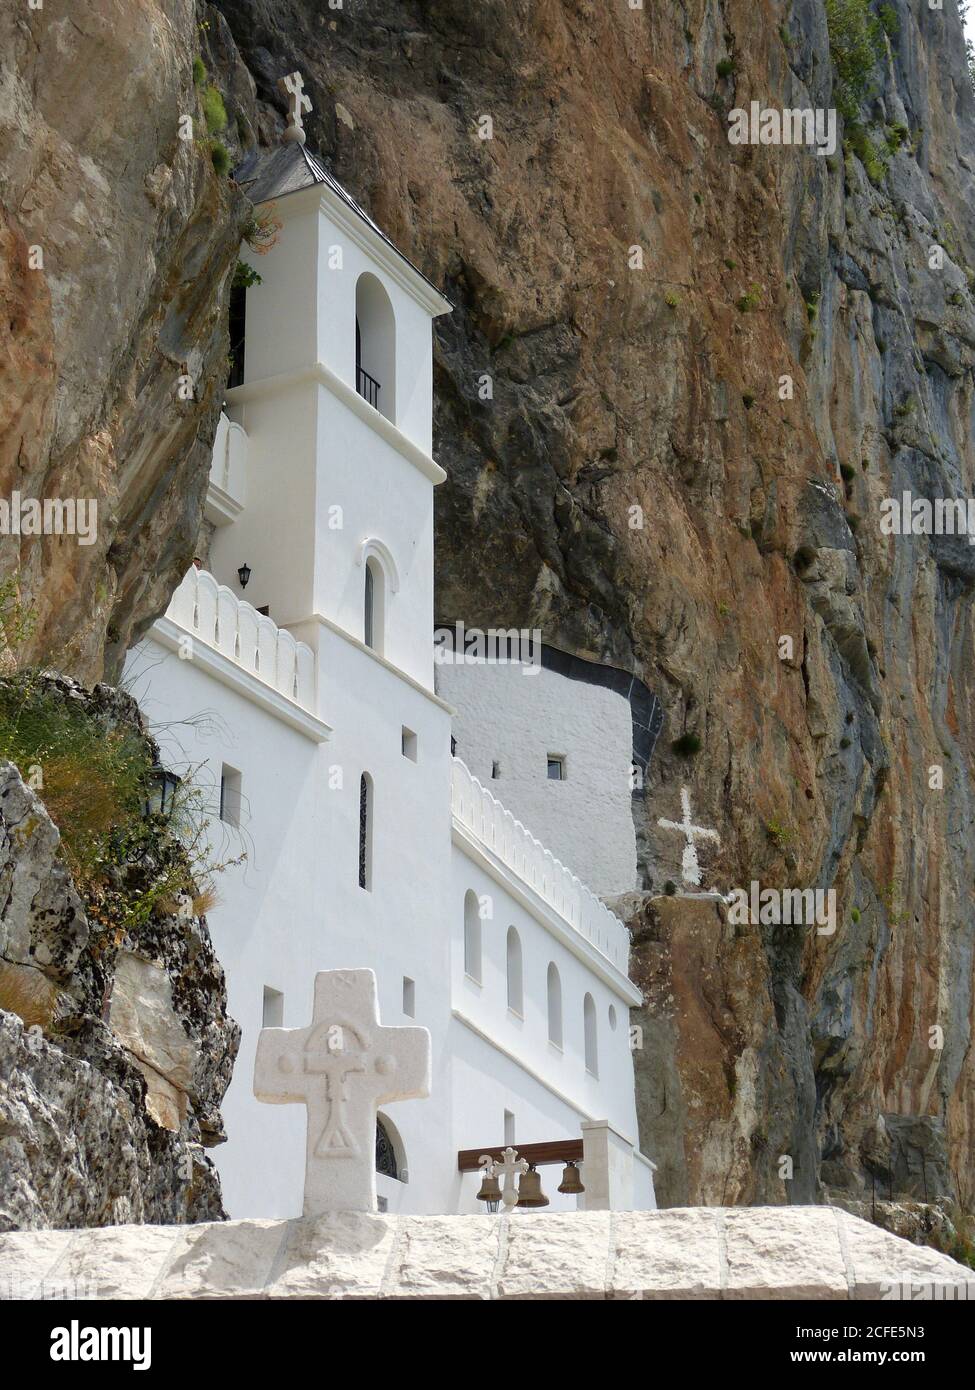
{"x":342,"y":1066}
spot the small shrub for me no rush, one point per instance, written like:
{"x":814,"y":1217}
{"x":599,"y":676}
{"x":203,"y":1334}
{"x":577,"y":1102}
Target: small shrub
{"x":847,"y":473}
{"x":214,"y":111}
{"x":747,"y":302}
{"x":671,"y":300}
{"x":855,"y":914}
{"x":844,"y":742}
{"x":686,"y":746}
{"x":698,"y":199}
{"x":245,"y":276}
{"x":199,"y":71}
{"x":888,"y":19}
{"x":855,"y":43}
{"x":261,"y":232}
{"x":748,"y":399}
{"x":220,"y":156}
{"x":780,"y":835}
{"x":725,"y":68}
{"x":730,"y":265}
{"x":670,"y":888}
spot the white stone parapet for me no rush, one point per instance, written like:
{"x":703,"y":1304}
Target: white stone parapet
{"x":690,"y":1253}
{"x":228,"y":473}
{"x":483,"y":816}
{"x":213,"y":614}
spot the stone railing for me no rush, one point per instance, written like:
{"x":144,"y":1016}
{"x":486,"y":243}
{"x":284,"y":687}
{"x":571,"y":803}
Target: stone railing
{"x":212,"y":613}
{"x":228,"y":473}
{"x":484,"y":817}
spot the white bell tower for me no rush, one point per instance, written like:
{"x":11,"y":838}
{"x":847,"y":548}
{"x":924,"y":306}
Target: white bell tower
{"x":336,"y":402}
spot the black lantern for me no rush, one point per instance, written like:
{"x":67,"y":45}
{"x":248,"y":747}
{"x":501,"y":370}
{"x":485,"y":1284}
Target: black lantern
{"x":244,"y":574}
{"x":162,"y":791}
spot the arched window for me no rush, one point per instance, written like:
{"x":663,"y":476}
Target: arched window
{"x":589,"y":1027}
{"x":374,"y":606}
{"x":516,"y":999}
{"x":390,"y":1154}
{"x":554,"y":1005}
{"x":375,"y":346}
{"x":472,"y":936}
{"x":365,"y":830}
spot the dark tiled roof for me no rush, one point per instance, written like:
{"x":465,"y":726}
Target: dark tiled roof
{"x":274,"y":173}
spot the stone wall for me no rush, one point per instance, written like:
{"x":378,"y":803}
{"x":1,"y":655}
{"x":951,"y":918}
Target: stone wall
{"x":764,"y":1253}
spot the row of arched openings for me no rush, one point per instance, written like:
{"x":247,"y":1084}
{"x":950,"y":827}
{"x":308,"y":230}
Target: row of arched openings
{"x":515,"y":983}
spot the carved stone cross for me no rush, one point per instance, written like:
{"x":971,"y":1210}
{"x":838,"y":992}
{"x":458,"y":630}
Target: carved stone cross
{"x":508,"y":1167}
{"x":690,"y":867}
{"x":292,"y":88}
{"x":342,"y":1066}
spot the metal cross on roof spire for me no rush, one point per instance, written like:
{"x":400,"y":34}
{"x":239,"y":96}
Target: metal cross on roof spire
{"x":291,"y":87}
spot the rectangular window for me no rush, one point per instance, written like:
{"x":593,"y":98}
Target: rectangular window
{"x":409,"y":997}
{"x":409,"y":744}
{"x":509,"y":1128}
{"x":495,"y":770}
{"x":273,"y":1015}
{"x":230,"y":784}
{"x":556,"y":767}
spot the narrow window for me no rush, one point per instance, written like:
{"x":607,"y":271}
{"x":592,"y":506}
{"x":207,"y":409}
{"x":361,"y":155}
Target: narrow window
{"x":365,"y":831}
{"x":273,"y":1013}
{"x":495,"y":770}
{"x":556,"y":768}
{"x":472,"y":936}
{"x":516,"y":1001}
{"x":589,"y":1028}
{"x":230,"y":784}
{"x":409,"y":744}
{"x":409,"y":997}
{"x":453,"y":746}
{"x":509,"y":1127}
{"x":368,"y":630}
{"x":374,"y":600}
{"x":238,"y":324}
{"x":554,"y":1005}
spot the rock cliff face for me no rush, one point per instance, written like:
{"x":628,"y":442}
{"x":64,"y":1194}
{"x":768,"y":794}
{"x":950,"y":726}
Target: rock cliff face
{"x":636,"y":478}
{"x":117,"y":240}
{"x":115,"y":1045}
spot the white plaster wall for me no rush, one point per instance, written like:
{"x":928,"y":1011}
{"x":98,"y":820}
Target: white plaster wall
{"x":295,"y":907}
{"x":517,"y":720}
{"x":484,"y":1007}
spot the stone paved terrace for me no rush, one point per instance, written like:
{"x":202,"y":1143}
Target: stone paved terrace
{"x":691,"y":1253}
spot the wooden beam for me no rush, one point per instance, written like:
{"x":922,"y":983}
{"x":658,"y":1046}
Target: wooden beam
{"x":556,"y":1151}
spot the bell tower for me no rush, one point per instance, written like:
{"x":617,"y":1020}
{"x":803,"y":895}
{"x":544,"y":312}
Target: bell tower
{"x":336,"y":399}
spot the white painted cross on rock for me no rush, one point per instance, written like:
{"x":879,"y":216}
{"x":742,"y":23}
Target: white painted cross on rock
{"x":341,"y":1067}
{"x":690,"y":868}
{"x":291,"y":87}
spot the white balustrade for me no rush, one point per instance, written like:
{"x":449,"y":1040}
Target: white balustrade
{"x":483,"y":815}
{"x":228,"y":472}
{"x":212,"y":613}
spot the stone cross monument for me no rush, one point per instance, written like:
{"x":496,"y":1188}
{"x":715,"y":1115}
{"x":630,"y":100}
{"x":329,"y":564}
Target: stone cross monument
{"x":292,"y":89}
{"x":342,"y":1066}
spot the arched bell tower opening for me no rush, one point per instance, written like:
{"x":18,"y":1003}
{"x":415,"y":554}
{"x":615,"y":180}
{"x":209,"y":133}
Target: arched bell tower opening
{"x":375,"y":345}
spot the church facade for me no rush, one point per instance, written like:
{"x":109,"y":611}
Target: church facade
{"x":293,"y":673}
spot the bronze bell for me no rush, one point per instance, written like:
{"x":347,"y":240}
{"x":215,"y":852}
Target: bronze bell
{"x":530,"y":1192}
{"x":571,"y":1181}
{"x":490,"y":1191}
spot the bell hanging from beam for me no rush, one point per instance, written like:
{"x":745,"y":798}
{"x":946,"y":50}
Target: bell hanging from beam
{"x":571,"y":1180}
{"x":490,"y":1191}
{"x":530,"y":1192}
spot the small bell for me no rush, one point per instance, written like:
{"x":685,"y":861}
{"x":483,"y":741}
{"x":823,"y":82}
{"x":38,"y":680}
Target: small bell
{"x":530,"y":1192}
{"x":490,"y":1191}
{"x":571,"y":1181}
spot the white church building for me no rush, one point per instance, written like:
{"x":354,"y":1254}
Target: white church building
{"x":310,"y":706}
